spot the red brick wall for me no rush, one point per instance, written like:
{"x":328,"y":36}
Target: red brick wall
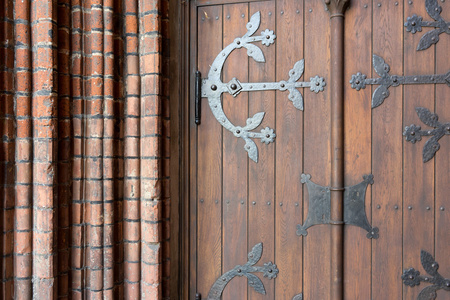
{"x":84,"y":158}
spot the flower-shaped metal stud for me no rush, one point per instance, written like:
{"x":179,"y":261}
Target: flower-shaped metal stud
{"x":374,"y":233}
{"x":358,"y":81}
{"x":269,"y":37}
{"x":412,"y":133}
{"x":411,"y":277}
{"x":317,"y":84}
{"x":413,"y":23}
{"x":270,"y":270}
{"x":268,"y":135}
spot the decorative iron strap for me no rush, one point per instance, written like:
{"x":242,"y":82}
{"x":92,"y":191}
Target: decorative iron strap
{"x":269,"y":270}
{"x":411,"y":277}
{"x":415,"y":23}
{"x":354,"y":206}
{"x":359,"y":81}
{"x":413,"y":133}
{"x":213,"y":87}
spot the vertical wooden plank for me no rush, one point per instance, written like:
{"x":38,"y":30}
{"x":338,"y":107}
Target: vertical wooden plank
{"x":442,"y":158}
{"x":235,"y":167}
{"x":261,"y":174}
{"x":317,"y":147}
{"x":418,"y":178}
{"x":209,"y":165}
{"x":357,"y":157}
{"x":387,"y":157}
{"x":289,"y":154}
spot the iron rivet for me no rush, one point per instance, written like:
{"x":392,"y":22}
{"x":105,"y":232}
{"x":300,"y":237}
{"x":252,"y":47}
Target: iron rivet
{"x":267,"y":135}
{"x":268,"y":203}
{"x":238,"y":42}
{"x":413,"y":133}
{"x":410,"y":2}
{"x":317,"y":83}
{"x":233,"y":86}
{"x":415,"y":79}
{"x":357,"y":82}
{"x":282,"y":12}
{"x":447,"y":284}
{"x":447,"y":128}
{"x":249,"y":25}
{"x":217,"y":17}
{"x":223,"y":120}
{"x":426,"y":279}
{"x":410,"y":207}
{"x":223,"y":54}
{"x":270,"y":13}
{"x":433,"y":38}
{"x":429,"y":132}
{"x":248,"y":147}
{"x":264,"y":85}
{"x":224,"y":279}
{"x":228,"y":201}
{"x":251,"y":86}
{"x":435,"y":147}
{"x":383,"y":93}
{"x":251,"y":255}
{"x":296,"y":203}
{"x":297,"y":11}
{"x":395,"y":207}
{"x":442,"y":208}
{"x":433,"y":265}
{"x":228,"y":17}
{"x":254,"y":203}
{"x":217,"y":201}
{"x":243,"y":15}
{"x":366,"y":6}
{"x":413,"y":23}
{"x":242,"y":202}
{"x":238,"y":131}
{"x":267,"y":36}
{"x":379,"y":4}
{"x":395,"y":80}
{"x":428,"y":208}
{"x":203,"y":18}
{"x":310,"y":10}
{"x":201,"y":200}
{"x":214,"y":87}
{"x":411,"y":277}
{"x":270,"y":270}
{"x":396,"y":3}
{"x":282,"y":85}
{"x":281,"y":203}
{"x":239,"y":270}
{"x":378,"y":206}
{"x":436,"y":9}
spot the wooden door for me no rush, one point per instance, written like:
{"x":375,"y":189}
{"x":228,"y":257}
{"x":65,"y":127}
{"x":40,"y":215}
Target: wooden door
{"x":235,"y":203}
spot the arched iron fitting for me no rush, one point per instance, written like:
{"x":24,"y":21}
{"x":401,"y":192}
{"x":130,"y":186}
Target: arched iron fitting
{"x":359,"y":81}
{"x":213,"y":87}
{"x":415,"y":23}
{"x":268,"y":270}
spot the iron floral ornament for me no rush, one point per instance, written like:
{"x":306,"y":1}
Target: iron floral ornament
{"x":415,"y":23}
{"x":413,"y":133}
{"x":213,"y":87}
{"x":385,"y":81}
{"x":411,"y":277}
{"x":269,"y":270}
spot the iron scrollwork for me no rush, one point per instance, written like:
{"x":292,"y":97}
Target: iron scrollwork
{"x":413,"y":133}
{"x":213,"y":87}
{"x":415,"y":23}
{"x":359,"y":81}
{"x":269,"y":270}
{"x":354,"y":206}
{"x":411,"y":277}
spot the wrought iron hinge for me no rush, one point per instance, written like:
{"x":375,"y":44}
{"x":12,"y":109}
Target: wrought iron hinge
{"x":413,"y":133}
{"x":354,"y":206}
{"x":359,"y":81}
{"x":415,"y":23}
{"x":411,"y":277}
{"x":269,"y":270}
{"x":213,"y":87}
{"x":198,"y":97}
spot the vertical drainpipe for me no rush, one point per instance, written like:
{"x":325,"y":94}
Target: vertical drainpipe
{"x":337,"y":9}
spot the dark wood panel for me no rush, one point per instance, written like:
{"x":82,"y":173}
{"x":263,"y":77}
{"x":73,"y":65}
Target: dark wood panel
{"x":358,"y":152}
{"x":317,"y":159}
{"x":209,"y":163}
{"x":234,"y":156}
{"x":261,"y":174}
{"x":289,"y":154}
{"x":387,"y":157}
{"x":418,"y":178}
{"x":442,"y":159}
